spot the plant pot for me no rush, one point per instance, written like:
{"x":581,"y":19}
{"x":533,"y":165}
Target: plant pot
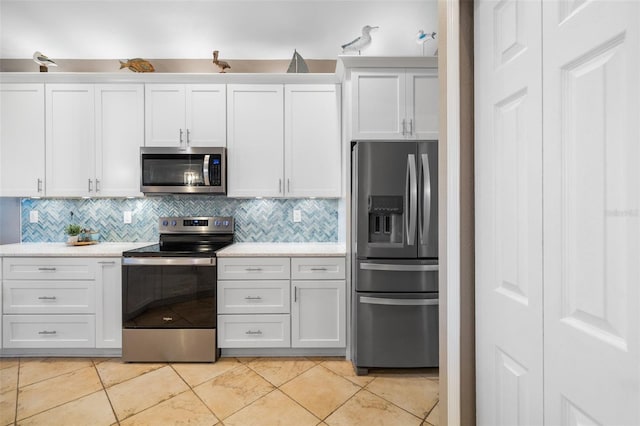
{"x":72,"y":239}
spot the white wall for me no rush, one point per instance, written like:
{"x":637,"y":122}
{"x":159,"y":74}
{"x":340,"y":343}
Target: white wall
{"x":240,"y":29}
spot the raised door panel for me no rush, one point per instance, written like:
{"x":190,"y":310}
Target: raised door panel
{"x":109,"y":303}
{"x":254,"y":331}
{"x":70,"y":140}
{"x":254,"y":297}
{"x":255,"y":145}
{"x":508,"y":199}
{"x":165,"y":115}
{"x":312,"y":141}
{"x":48,"y":331}
{"x":591,"y":212}
{"x":423,"y":104}
{"x":206,"y":114}
{"x":22,"y":140}
{"x":48,"y":268}
{"x":254,"y":268}
{"x":318,"y":314}
{"x":119,"y":136}
{"x":379,"y":104}
{"x":48,"y":297}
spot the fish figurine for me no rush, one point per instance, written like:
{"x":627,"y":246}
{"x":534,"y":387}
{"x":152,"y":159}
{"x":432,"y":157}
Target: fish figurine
{"x":137,"y":65}
{"x":223,"y":65}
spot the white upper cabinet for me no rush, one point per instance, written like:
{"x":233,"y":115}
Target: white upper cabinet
{"x":255,"y":143}
{"x":70,"y":135}
{"x":284,"y":141}
{"x":93,"y":139}
{"x":185,"y":115}
{"x":22,"y":140}
{"x":395,"y":104}
{"x":119,"y":136}
{"x":312,"y":141}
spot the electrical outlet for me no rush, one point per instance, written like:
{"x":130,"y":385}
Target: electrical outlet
{"x":297,"y":216}
{"x":127,"y":217}
{"x":33,"y":216}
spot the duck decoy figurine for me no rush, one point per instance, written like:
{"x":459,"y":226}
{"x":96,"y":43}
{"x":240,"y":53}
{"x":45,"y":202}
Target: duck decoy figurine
{"x":220,"y":64}
{"x":361,"y":42}
{"x":43,"y":61}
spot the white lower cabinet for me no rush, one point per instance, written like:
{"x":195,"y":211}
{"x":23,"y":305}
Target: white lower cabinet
{"x":61,"y":302}
{"x":255,"y":311}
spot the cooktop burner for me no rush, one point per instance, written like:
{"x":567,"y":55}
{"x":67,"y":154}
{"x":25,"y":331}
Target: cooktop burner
{"x":189,"y":237}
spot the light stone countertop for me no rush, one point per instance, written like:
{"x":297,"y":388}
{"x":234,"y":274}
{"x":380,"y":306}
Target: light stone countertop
{"x":61,"y":249}
{"x":283,"y":249}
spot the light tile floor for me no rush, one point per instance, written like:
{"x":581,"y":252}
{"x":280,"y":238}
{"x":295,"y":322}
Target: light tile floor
{"x":231,"y":392}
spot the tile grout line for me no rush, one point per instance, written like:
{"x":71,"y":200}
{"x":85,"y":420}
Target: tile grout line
{"x":15,"y":414}
{"x":53,"y":377}
{"x":196,"y":393}
{"x":104,"y":389}
{"x":396,"y":405}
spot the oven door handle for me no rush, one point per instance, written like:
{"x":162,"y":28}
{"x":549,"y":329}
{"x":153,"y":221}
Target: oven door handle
{"x":169,"y":261}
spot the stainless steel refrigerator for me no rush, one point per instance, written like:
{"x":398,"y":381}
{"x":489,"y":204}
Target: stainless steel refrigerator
{"x":395,"y":254}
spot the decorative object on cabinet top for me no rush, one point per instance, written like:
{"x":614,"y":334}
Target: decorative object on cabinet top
{"x":359,"y":43}
{"x":43,"y":61}
{"x":222,"y":65}
{"x":297,"y":64}
{"x":137,"y":65}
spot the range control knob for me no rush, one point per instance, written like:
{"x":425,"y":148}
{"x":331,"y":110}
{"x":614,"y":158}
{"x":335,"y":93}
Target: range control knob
{"x":217,"y":223}
{"x":165,"y":222}
{"x":225,"y":223}
{"x":174,"y":223}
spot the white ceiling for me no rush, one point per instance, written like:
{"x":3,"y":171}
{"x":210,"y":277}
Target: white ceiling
{"x":245,"y":29}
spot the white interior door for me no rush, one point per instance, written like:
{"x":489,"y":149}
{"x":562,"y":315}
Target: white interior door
{"x":508,"y":197}
{"x":591,"y":212}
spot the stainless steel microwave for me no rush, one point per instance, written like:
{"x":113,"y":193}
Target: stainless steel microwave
{"x":199,"y":170}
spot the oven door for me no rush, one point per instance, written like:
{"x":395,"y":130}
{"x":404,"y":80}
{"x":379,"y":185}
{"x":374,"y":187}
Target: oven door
{"x":168,"y":292}
{"x":169,"y":309}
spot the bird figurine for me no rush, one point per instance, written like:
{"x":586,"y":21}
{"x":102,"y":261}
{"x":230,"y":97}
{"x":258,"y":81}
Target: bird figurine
{"x":220,"y":64}
{"x":360,"y":42}
{"x":422,"y":37}
{"x":43,"y":61}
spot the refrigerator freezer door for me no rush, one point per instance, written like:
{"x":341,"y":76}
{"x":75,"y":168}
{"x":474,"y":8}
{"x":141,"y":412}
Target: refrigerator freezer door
{"x":395,"y":275}
{"x":396,"y":330}
{"x":386,"y":199}
{"x":428,"y":199}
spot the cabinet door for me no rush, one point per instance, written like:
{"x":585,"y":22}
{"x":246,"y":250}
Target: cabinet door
{"x":21,"y":140}
{"x":255,"y":140}
{"x":109,"y":303}
{"x":312,"y":141}
{"x":318,"y":314}
{"x":378,"y":104}
{"x":165,"y":115}
{"x":70,"y":137}
{"x":119,"y":136}
{"x":422,"y":104}
{"x":206,"y":115}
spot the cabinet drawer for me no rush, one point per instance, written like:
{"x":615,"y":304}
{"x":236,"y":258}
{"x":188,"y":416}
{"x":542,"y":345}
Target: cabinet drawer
{"x":254,"y":268}
{"x":254,"y":331}
{"x":48,"y":331}
{"x":253,"y":297}
{"x":48,"y":269}
{"x":48,"y":297}
{"x":318,"y":268}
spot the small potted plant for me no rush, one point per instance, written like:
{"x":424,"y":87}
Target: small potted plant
{"x":72,"y":231}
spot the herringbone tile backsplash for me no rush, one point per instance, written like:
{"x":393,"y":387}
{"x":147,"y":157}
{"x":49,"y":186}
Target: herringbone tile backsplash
{"x":257,"y":220}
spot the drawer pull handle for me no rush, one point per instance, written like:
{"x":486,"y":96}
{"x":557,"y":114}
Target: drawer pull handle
{"x":251,"y":333}
{"x":318,"y":269}
{"x":46,"y":269}
{"x":107,"y":262}
{"x":253,"y":298}
{"x":253,"y":269}
{"x":47,"y":332}
{"x":47,"y":298}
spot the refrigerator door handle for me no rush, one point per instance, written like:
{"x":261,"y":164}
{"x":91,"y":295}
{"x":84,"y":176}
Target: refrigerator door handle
{"x":410,"y":207}
{"x":398,"y":302}
{"x":426,"y":198}
{"x":398,"y":268}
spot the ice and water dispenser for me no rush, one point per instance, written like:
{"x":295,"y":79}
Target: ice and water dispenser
{"x":385,"y":219}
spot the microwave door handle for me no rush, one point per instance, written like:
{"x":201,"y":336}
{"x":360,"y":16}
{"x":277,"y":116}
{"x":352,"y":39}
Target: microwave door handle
{"x":426,"y":198}
{"x":410,"y":207}
{"x":205,"y":170}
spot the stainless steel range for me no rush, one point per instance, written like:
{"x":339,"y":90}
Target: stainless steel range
{"x":169,"y":292}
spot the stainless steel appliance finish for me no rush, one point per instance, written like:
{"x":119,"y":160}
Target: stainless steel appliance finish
{"x":395,"y":254}
{"x":174,"y":170}
{"x":169,"y":292}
